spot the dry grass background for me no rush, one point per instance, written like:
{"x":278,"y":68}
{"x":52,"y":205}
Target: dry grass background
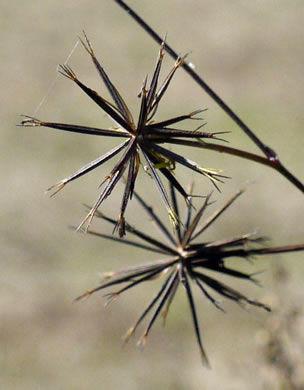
{"x":252,"y":55}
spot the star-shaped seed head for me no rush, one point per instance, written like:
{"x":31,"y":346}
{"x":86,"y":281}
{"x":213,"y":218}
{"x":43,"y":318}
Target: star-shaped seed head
{"x":142,"y":143}
{"x":186,"y":259}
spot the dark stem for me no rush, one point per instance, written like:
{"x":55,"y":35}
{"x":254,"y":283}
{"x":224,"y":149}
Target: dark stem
{"x":271,"y":156}
{"x":243,"y":154}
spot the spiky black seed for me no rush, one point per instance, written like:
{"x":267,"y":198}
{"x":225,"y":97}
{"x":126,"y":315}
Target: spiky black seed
{"x":143,"y":138}
{"x":186,"y":260}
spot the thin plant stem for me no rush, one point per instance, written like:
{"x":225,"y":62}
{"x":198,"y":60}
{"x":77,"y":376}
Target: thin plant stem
{"x":272,"y":160}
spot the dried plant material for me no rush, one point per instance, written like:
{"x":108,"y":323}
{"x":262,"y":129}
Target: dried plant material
{"x":142,"y":142}
{"x":187,"y":260}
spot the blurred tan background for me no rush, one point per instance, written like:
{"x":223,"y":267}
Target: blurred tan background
{"x":252,"y":54}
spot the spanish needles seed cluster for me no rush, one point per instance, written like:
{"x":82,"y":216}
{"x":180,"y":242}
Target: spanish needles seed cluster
{"x":142,"y":138}
{"x":186,"y":259}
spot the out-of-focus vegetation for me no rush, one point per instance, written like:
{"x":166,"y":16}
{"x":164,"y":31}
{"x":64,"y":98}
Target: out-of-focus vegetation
{"x":252,"y":54}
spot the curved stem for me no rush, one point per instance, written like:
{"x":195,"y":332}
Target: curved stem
{"x":275,"y":164}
